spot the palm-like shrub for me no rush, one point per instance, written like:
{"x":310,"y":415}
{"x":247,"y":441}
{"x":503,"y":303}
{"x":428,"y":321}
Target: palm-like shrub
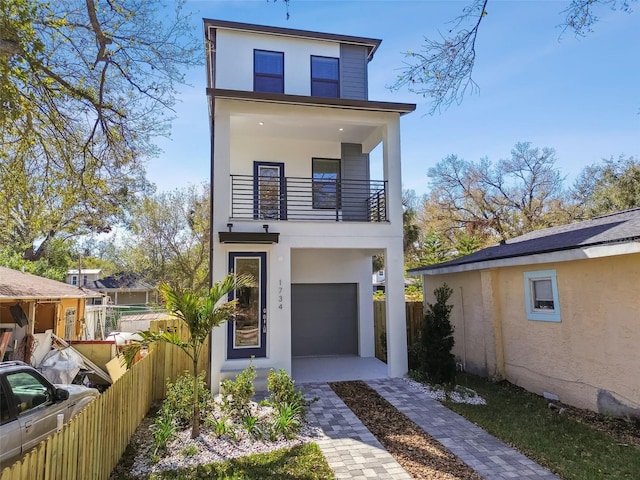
{"x":201,"y":312}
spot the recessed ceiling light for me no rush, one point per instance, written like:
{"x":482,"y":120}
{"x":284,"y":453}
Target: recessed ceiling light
{"x":341,"y":129}
{"x":260,"y":123}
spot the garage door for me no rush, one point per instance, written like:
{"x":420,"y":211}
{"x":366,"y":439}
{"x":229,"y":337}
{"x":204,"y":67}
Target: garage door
{"x":324,"y":319}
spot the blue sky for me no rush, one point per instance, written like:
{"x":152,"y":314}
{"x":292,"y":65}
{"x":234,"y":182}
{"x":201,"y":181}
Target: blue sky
{"x":578,"y":96}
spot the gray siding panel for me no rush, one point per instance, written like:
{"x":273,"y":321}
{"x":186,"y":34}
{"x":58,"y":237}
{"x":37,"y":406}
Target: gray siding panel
{"x":355,"y":186}
{"x":353,"y":72}
{"x":324,"y":319}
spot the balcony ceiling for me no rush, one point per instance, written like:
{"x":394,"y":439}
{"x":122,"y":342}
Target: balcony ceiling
{"x":302,"y":127}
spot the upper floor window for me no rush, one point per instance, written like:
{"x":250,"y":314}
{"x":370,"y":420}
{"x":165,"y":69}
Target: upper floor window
{"x":325,"y":73}
{"x":326,"y":178}
{"x":541,"y":295}
{"x":74,"y":280}
{"x":268,"y":71}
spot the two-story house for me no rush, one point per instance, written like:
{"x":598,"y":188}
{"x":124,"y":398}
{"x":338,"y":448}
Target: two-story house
{"x":294,"y":202}
{"x":83,"y":277}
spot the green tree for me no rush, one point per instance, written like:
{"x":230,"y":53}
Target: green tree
{"x":442,"y":70}
{"x":501,"y":200}
{"x":436,"y":339}
{"x":610,"y":186}
{"x":434,"y":249}
{"x":85,"y":87}
{"x":53,"y":266}
{"x":201,"y":313}
{"x":169,"y":238}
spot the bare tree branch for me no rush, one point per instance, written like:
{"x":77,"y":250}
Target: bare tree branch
{"x":442,"y":70}
{"x":580,"y":16}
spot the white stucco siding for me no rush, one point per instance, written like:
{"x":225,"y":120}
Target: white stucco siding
{"x":278,"y":351}
{"x":296,"y":156}
{"x":286,"y":266}
{"x":234,"y":59}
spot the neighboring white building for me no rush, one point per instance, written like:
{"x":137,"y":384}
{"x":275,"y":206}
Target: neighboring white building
{"x":294,"y":202}
{"x":84,"y":277}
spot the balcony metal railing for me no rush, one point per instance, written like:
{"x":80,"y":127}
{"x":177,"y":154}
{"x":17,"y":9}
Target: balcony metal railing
{"x":296,"y":198}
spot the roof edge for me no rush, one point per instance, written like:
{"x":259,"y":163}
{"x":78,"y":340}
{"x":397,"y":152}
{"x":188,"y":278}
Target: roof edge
{"x":551,"y":256}
{"x":371,"y":43}
{"x":401,"y":108}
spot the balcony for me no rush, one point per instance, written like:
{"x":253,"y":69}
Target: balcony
{"x":307,"y":199}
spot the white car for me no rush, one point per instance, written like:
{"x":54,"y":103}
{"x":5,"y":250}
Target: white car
{"x":32,"y":408}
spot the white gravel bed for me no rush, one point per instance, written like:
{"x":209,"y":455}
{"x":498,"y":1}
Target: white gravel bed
{"x":459,"y":394}
{"x":210,"y":448}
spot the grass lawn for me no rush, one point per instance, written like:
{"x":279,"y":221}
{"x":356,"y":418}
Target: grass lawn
{"x":571,"y":449}
{"x":304,"y":462}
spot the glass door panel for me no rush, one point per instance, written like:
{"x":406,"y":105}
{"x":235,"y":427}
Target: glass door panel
{"x":269,"y":191}
{"x":247,"y":332}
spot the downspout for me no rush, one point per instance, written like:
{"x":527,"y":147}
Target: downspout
{"x":464,"y":337}
{"x":210,"y":54}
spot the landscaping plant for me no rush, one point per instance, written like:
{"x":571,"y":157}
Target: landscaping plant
{"x":282,"y":390}
{"x":221,"y":426}
{"x":179,"y":398}
{"x":201,"y":313}
{"x":163,"y":430}
{"x":433,"y":353}
{"x":237,"y":394}
{"x":288,"y":420}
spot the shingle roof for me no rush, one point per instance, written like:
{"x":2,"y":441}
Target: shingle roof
{"x":18,"y":285}
{"x":128,"y":281}
{"x":607,"y":229}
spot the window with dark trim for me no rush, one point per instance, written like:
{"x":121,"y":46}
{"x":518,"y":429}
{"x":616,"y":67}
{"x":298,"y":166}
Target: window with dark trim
{"x":268,"y":71}
{"x":326,"y":182}
{"x":325,"y":73}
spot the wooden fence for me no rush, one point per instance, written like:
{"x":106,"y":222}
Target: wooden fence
{"x":91,"y":444}
{"x":414,"y":323}
{"x":170,"y":360}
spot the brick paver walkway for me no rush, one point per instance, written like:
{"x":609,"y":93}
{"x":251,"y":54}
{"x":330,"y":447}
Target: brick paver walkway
{"x":350,"y":448}
{"x":354,"y":453}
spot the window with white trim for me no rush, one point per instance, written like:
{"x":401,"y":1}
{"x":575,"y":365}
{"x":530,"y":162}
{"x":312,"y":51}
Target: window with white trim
{"x":541,"y":296}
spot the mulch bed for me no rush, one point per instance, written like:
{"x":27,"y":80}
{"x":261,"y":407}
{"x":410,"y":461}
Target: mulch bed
{"x":419,"y":454}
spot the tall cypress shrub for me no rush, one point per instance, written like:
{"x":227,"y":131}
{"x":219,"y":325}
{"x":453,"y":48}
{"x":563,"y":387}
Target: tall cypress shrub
{"x":438,"y":363}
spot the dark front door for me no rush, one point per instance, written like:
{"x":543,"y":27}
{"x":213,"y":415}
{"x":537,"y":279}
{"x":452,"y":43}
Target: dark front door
{"x":268,"y":191}
{"x":247,"y":333}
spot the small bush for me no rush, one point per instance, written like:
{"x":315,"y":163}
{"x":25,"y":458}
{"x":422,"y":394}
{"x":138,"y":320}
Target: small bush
{"x":252,"y":426}
{"x":283,"y":389}
{"x":288,"y":421}
{"x":163,"y":430}
{"x":220,"y":426}
{"x":237,"y":394}
{"x":436,"y":359}
{"x":190,"y":451}
{"x":179,"y":399}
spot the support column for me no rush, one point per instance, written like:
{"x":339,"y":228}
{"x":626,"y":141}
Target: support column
{"x":494,"y":354}
{"x":397,"y":363}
